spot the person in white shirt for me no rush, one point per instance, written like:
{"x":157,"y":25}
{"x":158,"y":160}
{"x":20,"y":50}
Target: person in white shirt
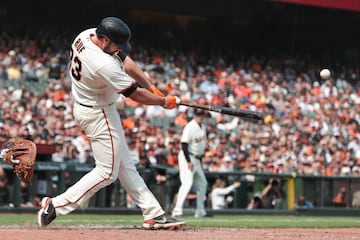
{"x":219,"y":193}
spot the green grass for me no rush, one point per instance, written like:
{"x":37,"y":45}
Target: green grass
{"x":218,"y":221}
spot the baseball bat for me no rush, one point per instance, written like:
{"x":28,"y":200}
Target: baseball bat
{"x":244,"y":114}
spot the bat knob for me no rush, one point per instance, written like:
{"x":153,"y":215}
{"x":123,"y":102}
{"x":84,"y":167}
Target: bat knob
{"x":178,"y":100}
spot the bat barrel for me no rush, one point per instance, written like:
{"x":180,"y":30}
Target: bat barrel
{"x":252,"y":116}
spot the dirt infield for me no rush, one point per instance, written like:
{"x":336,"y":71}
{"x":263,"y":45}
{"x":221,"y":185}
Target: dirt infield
{"x":92,"y":233}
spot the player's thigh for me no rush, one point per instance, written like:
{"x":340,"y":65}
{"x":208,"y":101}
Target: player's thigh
{"x":199,"y":177}
{"x":186,"y":174}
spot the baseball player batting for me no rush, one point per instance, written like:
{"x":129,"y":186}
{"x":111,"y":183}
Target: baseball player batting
{"x":100,"y":70}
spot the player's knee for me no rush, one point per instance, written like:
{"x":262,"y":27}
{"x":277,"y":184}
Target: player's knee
{"x":108,"y":176}
{"x":113,"y":178}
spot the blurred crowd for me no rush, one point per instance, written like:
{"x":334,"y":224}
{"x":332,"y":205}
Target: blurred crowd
{"x":311,"y":126}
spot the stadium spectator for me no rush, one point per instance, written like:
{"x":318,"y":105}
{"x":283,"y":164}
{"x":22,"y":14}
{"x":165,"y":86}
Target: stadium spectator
{"x":154,"y":179}
{"x":302,"y":202}
{"x":356,"y":200}
{"x":134,"y":151}
{"x":256,"y":202}
{"x":340,"y":199}
{"x":5,"y":198}
{"x":226,"y":164}
{"x":70,"y":151}
{"x":25,"y":195}
{"x":58,"y":155}
{"x":273,"y":194}
{"x":54,"y":69}
{"x":219,"y":194}
{"x":89,"y":156}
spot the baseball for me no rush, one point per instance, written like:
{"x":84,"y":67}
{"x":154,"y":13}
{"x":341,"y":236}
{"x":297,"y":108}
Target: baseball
{"x":325,"y":74}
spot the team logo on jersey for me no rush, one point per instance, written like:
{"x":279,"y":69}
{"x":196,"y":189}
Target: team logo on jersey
{"x":199,"y":139}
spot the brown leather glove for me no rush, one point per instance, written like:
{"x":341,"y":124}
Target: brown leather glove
{"x":156,"y":91}
{"x":20,"y":154}
{"x":171,"y":102}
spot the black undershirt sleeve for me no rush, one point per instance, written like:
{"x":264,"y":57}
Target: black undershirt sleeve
{"x":138,"y":85}
{"x":185,"y":149}
{"x":130,"y":90}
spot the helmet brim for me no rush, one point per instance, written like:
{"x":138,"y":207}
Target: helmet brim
{"x":125,"y":47}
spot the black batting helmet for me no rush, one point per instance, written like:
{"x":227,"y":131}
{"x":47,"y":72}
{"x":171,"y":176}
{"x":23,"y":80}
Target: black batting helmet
{"x":118,"y":32}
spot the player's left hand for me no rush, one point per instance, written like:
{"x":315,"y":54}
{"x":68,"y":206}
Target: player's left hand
{"x":171,"y":102}
{"x":156,"y":91}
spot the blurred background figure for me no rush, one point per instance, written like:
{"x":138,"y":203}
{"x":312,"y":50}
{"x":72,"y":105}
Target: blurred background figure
{"x":340,"y":199}
{"x":273,"y":194}
{"x":356,"y":200}
{"x":226,"y":164}
{"x":4,"y":188}
{"x":256,"y":202}
{"x":302,"y":202}
{"x":153,"y":179}
{"x":25,"y":195}
{"x":219,"y":194}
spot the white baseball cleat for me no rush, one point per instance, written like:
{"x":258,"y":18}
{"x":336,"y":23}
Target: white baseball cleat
{"x":163,"y":222}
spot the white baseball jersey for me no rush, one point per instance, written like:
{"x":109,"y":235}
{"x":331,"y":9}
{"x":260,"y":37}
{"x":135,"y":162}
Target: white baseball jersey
{"x":218,"y":197}
{"x":195,"y":136}
{"x":97,"y":79}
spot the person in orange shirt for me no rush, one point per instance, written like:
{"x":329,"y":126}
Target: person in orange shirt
{"x":181,"y":119}
{"x":316,"y":89}
{"x":59,"y":93}
{"x":340,"y":198}
{"x":218,"y":99}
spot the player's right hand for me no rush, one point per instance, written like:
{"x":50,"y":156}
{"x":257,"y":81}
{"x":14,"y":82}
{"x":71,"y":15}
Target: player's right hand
{"x":190,"y":166}
{"x":171,"y":102}
{"x":156,"y":91}
{"x":236,"y":184}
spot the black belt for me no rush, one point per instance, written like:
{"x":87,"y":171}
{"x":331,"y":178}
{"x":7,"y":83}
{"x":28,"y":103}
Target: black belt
{"x":84,"y":105}
{"x":88,"y":106}
{"x":197,"y":156}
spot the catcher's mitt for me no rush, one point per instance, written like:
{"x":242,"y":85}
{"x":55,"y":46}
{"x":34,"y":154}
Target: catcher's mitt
{"x":20,"y":154}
